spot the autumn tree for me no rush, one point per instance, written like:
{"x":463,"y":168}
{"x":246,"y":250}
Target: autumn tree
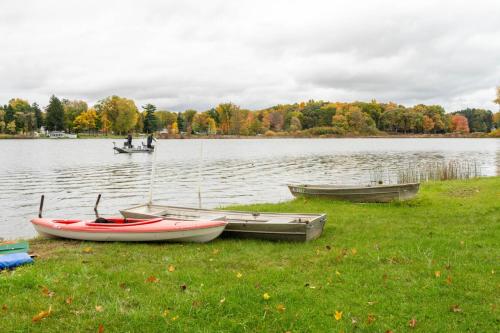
{"x":497,"y":100}
{"x":150,"y":121}
{"x":459,"y":124}
{"x":72,"y":109}
{"x":201,"y":123}
{"x":165,"y":119}
{"x":224,"y":112}
{"x":55,"y":114}
{"x":86,"y":120}
{"x":427,"y":124}
{"x":121,"y":112}
{"x":188,"y":116}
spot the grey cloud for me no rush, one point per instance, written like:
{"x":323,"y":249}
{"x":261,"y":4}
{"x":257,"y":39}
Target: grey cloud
{"x":195,"y":54}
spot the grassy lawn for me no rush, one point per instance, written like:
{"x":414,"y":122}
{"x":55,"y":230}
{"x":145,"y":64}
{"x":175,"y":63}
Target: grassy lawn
{"x":428,"y":265}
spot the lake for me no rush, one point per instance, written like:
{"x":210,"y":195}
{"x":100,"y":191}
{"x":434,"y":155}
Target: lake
{"x":71,"y":173}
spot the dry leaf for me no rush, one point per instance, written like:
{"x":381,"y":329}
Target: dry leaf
{"x":222,"y":300}
{"x":337,"y":272}
{"x":215,"y":251}
{"x":196,"y":304}
{"x":175,"y":318}
{"x":239,"y":275}
{"x":99,"y":308}
{"x":281,"y":308}
{"x":338,"y":315}
{"x":48,"y":292}
{"x":455,"y":308}
{"x":354,"y":251}
{"x":123,"y":285}
{"x":328,"y":247}
{"x":388,"y":331}
{"x":370,"y":319}
{"x":42,"y":315}
{"x":412,"y":323}
{"x":448,"y":279}
{"x":171,"y":268}
{"x":152,"y":279}
{"x":165,"y":313}
{"x":437,"y":274}
{"x":371,"y":302}
{"x":88,"y":249}
{"x":317,"y":252}
{"x":183,"y":287}
{"x":100,"y":329}
{"x":266,"y":296}
{"x":69,"y":300}
{"x":4,"y":307}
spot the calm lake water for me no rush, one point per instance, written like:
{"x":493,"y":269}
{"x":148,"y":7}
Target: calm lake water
{"x":72,"y":172}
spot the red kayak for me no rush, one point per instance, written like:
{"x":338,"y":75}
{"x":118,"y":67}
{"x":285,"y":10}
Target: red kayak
{"x":133,"y":230}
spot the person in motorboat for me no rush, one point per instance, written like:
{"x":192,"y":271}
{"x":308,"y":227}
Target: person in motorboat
{"x":129,"y":140}
{"x":150,"y":141}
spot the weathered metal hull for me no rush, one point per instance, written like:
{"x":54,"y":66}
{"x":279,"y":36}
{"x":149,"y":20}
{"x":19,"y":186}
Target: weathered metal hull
{"x":133,"y":150}
{"x":376,"y":193}
{"x":272,"y":226}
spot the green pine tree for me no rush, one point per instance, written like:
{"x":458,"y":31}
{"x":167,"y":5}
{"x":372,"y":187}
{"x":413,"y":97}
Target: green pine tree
{"x":55,"y":115}
{"x":150,"y":121}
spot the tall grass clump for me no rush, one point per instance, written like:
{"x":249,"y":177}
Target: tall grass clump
{"x":442,"y":170}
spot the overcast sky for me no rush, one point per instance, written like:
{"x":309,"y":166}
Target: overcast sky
{"x":196,"y":54}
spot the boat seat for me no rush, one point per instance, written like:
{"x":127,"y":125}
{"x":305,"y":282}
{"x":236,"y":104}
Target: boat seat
{"x":66,"y":221}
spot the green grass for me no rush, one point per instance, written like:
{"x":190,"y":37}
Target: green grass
{"x":373,"y":260}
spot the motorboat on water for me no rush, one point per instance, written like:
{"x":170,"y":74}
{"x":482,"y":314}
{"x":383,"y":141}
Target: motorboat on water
{"x":126,"y":149}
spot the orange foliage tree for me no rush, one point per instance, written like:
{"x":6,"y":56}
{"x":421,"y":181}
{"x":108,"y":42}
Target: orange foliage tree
{"x":459,"y":124}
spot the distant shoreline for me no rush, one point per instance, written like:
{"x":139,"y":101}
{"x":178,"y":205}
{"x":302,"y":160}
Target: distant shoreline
{"x":229,"y":137}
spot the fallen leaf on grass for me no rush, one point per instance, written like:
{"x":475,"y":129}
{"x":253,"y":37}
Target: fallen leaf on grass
{"x":88,"y":249}
{"x":370,"y":319}
{"x":100,"y":329}
{"x":4,"y":307}
{"x":412,"y":323}
{"x":354,"y":321}
{"x":337,"y":272}
{"x":165,"y":313}
{"x":42,"y":315}
{"x":152,"y":279}
{"x":239,"y":275}
{"x":437,"y":274}
{"x":99,"y":308}
{"x":266,"y":296}
{"x":171,"y":268}
{"x":388,"y":331}
{"x":455,"y":308}
{"x":371,"y":302}
{"x":175,"y":318}
{"x":328,"y":247}
{"x":48,"y":292}
{"x":281,"y":308}
{"x":354,"y":251}
{"x":196,"y":304}
{"x":69,"y":300}
{"x":222,"y":300}
{"x":183,"y":287}
{"x":123,"y":285}
{"x":215,"y":251}
{"x":338,"y":315}
{"x":448,"y":279}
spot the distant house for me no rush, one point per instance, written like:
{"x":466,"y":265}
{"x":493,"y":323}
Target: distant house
{"x":61,"y":135}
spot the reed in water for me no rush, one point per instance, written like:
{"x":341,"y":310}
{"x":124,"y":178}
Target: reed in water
{"x":443,"y":170}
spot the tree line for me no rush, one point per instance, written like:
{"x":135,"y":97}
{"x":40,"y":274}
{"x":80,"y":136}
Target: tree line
{"x":119,"y":115}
